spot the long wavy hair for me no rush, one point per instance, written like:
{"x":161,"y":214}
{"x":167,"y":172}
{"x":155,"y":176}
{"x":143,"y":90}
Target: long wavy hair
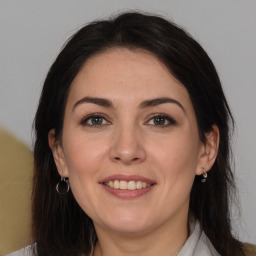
{"x":60,"y":227}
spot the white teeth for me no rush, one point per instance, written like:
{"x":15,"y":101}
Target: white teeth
{"x":130,"y":185}
{"x":123,"y":184}
{"x":138,"y":184}
{"x":111,"y":184}
{"x":116,"y":184}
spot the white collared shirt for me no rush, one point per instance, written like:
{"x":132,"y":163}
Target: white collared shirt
{"x":197,"y":244}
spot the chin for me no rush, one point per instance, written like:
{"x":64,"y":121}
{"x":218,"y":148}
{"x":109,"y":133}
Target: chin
{"x":129,"y":227}
{"x":126,"y":223}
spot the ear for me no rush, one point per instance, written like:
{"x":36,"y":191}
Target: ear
{"x":58,"y":153}
{"x":209,"y":150}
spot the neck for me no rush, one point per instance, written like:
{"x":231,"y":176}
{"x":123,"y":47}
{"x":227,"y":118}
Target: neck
{"x":165,"y":240}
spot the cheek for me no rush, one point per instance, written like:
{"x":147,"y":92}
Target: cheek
{"x":177,"y":153}
{"x":176,"y":159}
{"x":84,"y":160}
{"x":83,"y":156}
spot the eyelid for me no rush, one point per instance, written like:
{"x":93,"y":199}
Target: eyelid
{"x":91,"y":115}
{"x":171,"y":120}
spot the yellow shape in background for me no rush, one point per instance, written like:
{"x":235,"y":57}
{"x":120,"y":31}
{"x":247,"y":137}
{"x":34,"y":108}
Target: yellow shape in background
{"x":16,"y":167}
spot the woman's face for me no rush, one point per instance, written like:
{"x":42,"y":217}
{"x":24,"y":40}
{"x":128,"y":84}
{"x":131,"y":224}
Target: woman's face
{"x":130,"y":145}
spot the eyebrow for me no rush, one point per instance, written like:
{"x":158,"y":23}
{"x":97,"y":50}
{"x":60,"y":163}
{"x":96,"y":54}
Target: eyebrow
{"x":159,"y":101}
{"x":145,"y":104}
{"x":98,"y":101}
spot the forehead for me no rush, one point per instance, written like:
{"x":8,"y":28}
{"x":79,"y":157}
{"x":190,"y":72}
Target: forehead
{"x":123,"y":69}
{"x":123,"y":74}
{"x":121,"y":64}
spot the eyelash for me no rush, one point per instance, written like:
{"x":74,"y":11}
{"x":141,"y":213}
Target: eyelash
{"x":85,"y":120}
{"x":171,"y":121}
{"x":161,"y":116}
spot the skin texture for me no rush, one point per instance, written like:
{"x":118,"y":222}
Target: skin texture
{"x":129,"y":140}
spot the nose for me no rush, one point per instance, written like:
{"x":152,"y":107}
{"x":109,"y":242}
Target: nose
{"x":127,"y":146}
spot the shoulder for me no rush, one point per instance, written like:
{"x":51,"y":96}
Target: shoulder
{"x":250,"y":249}
{"x":27,"y":251}
{"x":197,"y":243}
{"x":204,"y":246}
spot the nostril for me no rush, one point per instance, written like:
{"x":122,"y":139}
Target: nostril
{"x":123,"y":159}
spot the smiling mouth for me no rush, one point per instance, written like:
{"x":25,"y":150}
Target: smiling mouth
{"x":127,"y":185}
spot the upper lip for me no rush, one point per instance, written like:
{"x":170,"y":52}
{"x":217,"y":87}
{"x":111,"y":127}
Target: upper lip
{"x":127,"y":178}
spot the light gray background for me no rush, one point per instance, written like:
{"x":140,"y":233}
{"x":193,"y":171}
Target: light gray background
{"x":32,"y":33}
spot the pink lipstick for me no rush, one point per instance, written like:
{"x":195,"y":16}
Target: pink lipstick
{"x":127,"y":186}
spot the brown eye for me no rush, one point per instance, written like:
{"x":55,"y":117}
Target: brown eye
{"x":161,"y":121}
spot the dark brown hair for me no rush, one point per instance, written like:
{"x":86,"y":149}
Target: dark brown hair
{"x":60,"y":227}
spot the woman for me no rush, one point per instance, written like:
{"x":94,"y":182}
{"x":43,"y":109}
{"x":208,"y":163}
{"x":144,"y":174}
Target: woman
{"x":132,"y":146}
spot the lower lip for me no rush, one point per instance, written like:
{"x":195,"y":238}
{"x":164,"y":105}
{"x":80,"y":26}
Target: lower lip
{"x":128,"y":194}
